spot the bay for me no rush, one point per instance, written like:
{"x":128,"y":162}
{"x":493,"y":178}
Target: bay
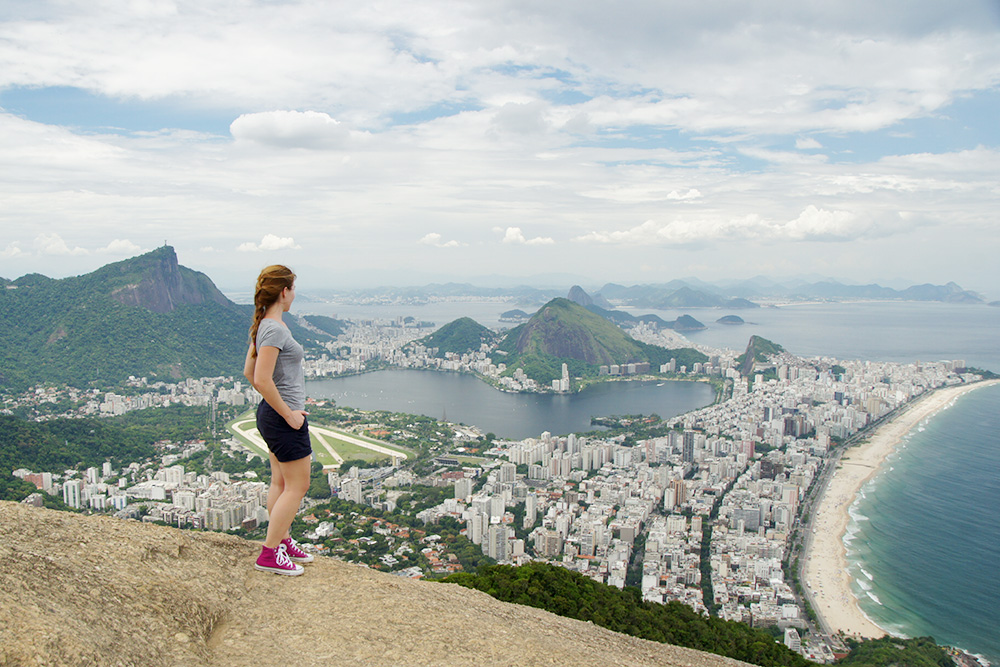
{"x":466,"y":399}
{"x":898,"y":331}
{"x":930,"y":547}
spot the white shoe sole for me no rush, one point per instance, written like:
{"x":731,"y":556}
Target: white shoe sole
{"x":277,"y":570}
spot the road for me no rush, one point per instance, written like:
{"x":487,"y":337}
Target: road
{"x":247,"y":428}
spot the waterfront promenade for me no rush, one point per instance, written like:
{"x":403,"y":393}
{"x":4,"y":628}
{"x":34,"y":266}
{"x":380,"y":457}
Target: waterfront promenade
{"x":825,"y":573}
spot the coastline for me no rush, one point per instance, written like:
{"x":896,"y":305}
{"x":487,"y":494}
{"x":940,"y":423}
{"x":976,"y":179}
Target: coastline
{"x":825,"y":573}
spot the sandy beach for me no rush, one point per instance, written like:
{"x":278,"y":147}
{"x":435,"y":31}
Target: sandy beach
{"x":825,"y":572}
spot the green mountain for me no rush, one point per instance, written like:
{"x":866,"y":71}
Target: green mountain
{"x":144,"y":316}
{"x":565,"y":332}
{"x":327,"y":325}
{"x":461,"y":336}
{"x":758,"y":350}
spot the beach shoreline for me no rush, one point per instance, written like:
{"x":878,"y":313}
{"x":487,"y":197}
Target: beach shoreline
{"x":825,"y":573}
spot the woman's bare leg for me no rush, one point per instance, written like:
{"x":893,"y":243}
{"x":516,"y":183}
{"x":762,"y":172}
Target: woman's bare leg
{"x":295,"y":476}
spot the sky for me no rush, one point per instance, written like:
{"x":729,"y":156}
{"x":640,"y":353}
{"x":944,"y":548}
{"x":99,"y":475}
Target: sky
{"x":514,"y":141}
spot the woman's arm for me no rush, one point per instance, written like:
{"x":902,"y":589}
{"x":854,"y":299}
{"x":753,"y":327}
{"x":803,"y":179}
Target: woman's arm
{"x":263,"y":381}
{"x":249,"y":364}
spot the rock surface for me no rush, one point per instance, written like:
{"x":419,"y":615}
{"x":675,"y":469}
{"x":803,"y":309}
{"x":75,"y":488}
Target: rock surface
{"x":94,"y":590}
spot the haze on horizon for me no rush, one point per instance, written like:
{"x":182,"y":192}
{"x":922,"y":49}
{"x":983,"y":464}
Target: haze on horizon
{"x":407,"y":143}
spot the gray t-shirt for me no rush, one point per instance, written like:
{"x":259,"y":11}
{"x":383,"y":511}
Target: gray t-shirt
{"x":288,"y":376}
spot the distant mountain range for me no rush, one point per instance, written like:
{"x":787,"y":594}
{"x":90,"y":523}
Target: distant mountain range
{"x":686,"y":293}
{"x":144,"y":316}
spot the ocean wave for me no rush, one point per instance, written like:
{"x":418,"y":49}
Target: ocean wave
{"x":874,"y":598}
{"x":863,"y":585}
{"x":870,"y":576}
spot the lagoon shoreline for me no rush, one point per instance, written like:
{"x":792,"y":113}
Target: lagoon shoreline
{"x":825,"y":573}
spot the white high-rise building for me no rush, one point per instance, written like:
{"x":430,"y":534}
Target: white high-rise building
{"x":73,"y":493}
{"x":497,"y":542}
{"x":530,"y":510}
{"x":463,"y":489}
{"x":174,"y":475}
{"x":350,"y":489}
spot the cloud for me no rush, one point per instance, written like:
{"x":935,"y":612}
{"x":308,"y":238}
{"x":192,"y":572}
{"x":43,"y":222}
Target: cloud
{"x":364,"y":128}
{"x":812,"y":224}
{"x":815,"y":224}
{"x":291,"y":129}
{"x":435,"y":239}
{"x":514,"y":236}
{"x":269,"y":243}
{"x":53,"y":244}
{"x":521,"y":118}
{"x":120,"y":247}
{"x":684,"y":196}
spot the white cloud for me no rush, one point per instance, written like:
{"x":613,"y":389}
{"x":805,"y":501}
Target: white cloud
{"x":521,"y":118}
{"x":53,"y":244}
{"x":269,"y":243}
{"x":815,"y":224}
{"x":291,"y":129}
{"x":684,"y":196}
{"x":120,"y":247}
{"x":361,"y":129}
{"x":812,"y":224}
{"x":514,"y":236}
{"x":436,"y":240}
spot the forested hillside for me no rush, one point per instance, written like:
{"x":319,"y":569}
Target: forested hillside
{"x":460,"y":336}
{"x":144,"y":316}
{"x":565,"y":332}
{"x":572,"y":594}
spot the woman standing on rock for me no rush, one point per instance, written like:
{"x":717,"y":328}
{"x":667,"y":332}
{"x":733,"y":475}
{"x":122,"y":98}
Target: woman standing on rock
{"x":274,"y":367}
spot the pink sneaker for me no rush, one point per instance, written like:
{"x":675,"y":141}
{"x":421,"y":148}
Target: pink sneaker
{"x":294,"y":552}
{"x":276,"y":560}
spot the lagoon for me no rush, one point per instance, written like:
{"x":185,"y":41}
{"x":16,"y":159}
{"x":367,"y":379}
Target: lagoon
{"x":468,"y":400}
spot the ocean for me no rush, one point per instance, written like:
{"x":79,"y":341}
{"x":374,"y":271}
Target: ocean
{"x":923,"y":544}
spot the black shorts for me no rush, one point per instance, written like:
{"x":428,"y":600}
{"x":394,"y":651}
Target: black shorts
{"x":285,"y":442}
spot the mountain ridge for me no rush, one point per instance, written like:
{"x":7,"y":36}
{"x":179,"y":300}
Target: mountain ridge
{"x":143,"y":316}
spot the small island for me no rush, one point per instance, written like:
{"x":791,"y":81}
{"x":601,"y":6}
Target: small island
{"x":732,"y":320}
{"x":515,"y":315}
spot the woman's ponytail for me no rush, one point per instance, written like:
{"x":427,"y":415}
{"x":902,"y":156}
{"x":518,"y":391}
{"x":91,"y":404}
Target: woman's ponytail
{"x":271,"y":282}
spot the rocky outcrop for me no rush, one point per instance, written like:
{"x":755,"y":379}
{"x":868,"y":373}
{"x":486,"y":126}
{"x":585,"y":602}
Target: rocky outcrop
{"x":578,"y":295}
{"x":94,"y":590}
{"x":163,"y":284}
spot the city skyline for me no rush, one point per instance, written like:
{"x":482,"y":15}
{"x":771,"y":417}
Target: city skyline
{"x":415,"y":144}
